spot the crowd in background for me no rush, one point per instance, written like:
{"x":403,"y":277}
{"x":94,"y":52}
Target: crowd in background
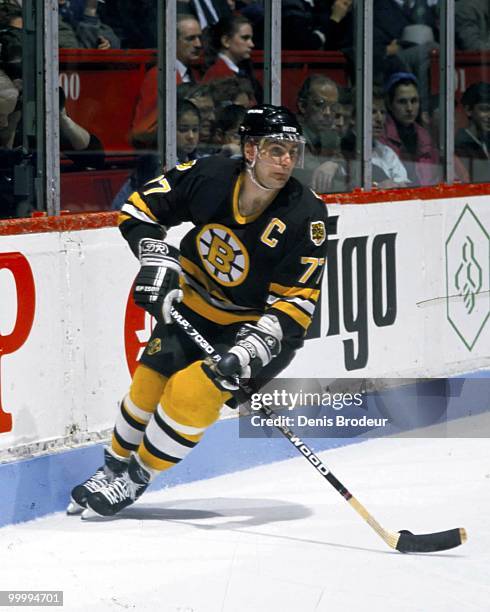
{"x":216,"y":83}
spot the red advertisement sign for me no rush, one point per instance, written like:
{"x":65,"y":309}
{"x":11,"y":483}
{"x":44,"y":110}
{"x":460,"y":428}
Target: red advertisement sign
{"x":138,"y":325}
{"x":26,"y":305}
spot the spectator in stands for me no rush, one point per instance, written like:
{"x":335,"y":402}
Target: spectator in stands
{"x":232,"y":90}
{"x":344,"y":116}
{"x":208,"y":12}
{"x":77,"y":144}
{"x":387,"y":169}
{"x":189,"y":47}
{"x":10,"y":105}
{"x":230,"y":51}
{"x":301,"y":27}
{"x":75,"y":141}
{"x":202,"y":97}
{"x":404,"y":134}
{"x":253,"y":10}
{"x":425,"y":12}
{"x":231,"y":43}
{"x":324,"y":167}
{"x":10,"y":14}
{"x":188,"y":123}
{"x":9,"y":95}
{"x":401,"y":44}
{"x":460,"y":172}
{"x":148,"y":164}
{"x":318,"y":104}
{"x":246,"y":97}
{"x":135,"y":23}
{"x":10,"y":72}
{"x":226,"y":136}
{"x":339,"y":25}
{"x":88,"y":32}
{"x":472,"y":143}
{"x":472,"y":25}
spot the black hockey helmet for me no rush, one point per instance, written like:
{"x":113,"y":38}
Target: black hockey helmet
{"x":273,"y":121}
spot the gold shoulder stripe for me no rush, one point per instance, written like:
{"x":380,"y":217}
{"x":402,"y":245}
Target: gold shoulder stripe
{"x":137,"y":201}
{"x":122,"y":217}
{"x":295,"y":313}
{"x":306,"y":293}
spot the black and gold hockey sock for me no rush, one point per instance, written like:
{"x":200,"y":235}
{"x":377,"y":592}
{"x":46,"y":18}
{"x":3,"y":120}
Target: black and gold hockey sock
{"x":136,"y":409}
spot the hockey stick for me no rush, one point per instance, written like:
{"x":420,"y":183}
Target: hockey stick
{"x":404,"y":541}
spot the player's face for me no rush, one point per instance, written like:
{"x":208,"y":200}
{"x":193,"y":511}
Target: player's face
{"x":189,"y":41}
{"x":276,"y":160}
{"x":406,"y":104}
{"x":240,"y":45}
{"x":480,"y":115}
{"x":187,"y":133}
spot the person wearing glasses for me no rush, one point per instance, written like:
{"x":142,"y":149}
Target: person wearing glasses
{"x":319,"y":114}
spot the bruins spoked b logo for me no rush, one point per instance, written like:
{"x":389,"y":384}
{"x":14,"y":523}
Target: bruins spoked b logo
{"x":223,"y":255}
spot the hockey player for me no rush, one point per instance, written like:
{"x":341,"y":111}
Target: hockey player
{"x":248,"y":276}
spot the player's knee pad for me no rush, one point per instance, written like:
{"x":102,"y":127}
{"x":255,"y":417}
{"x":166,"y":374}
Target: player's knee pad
{"x":191,"y":399}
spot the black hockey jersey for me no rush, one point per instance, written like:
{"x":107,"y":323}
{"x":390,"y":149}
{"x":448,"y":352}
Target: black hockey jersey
{"x":236,"y":268}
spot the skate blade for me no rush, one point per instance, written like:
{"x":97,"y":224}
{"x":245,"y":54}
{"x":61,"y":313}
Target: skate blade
{"x":88,"y":514}
{"x":73,"y":508}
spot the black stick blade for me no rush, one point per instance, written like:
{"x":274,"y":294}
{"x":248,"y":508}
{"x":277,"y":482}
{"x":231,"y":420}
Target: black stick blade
{"x":430,"y":542}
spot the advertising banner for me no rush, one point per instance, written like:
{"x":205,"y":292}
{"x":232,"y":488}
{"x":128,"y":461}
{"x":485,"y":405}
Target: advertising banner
{"x":406,"y":293}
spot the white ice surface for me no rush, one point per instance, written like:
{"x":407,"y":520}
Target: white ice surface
{"x":277,"y":538}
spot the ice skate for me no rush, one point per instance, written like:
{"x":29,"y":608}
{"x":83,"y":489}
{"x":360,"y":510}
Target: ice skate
{"x":114,"y":466}
{"x":121,"y":492}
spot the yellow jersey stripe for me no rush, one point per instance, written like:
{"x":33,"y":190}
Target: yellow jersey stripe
{"x":198,"y":275}
{"x":136,"y":200}
{"x":195,"y":302}
{"x":122,"y":217}
{"x":305,"y":292}
{"x":295,"y":313}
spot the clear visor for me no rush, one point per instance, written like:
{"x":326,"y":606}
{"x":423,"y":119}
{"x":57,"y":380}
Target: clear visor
{"x":282,"y":149}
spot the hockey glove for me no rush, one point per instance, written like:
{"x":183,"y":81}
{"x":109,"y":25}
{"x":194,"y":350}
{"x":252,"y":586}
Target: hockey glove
{"x":157,"y":283}
{"x":229,"y":382}
{"x":255,"y":347}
